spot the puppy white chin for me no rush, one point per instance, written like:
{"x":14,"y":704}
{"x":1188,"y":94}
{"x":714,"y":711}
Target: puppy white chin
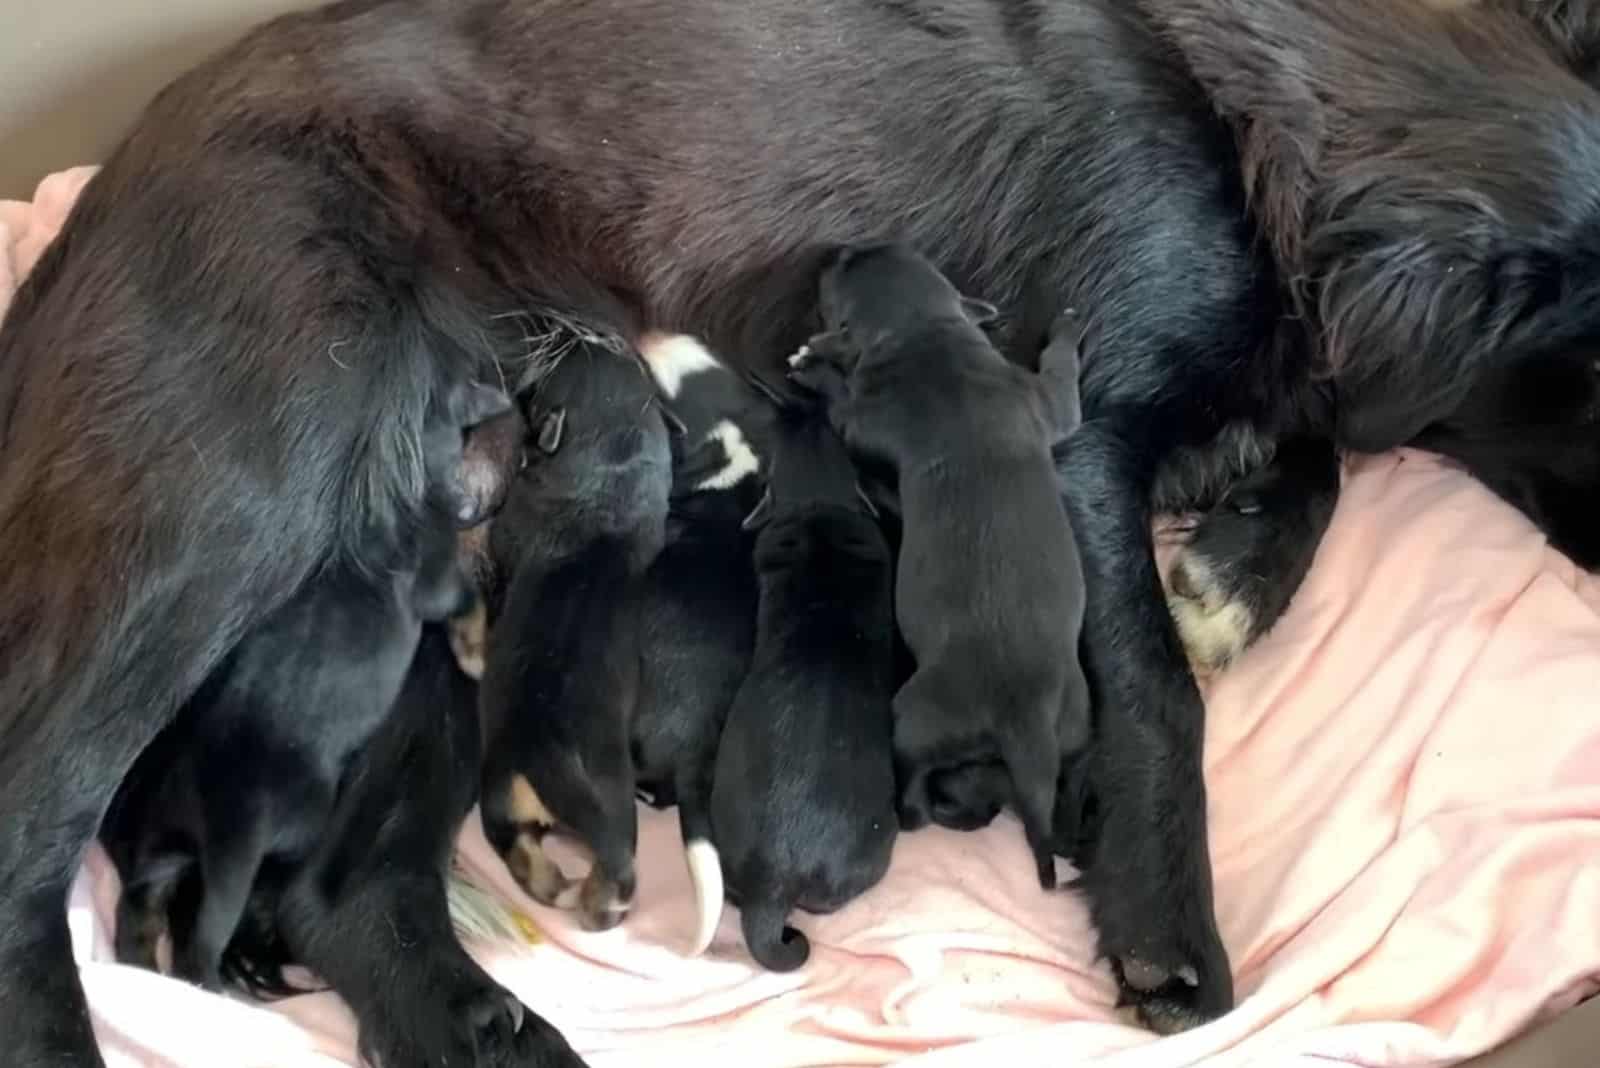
{"x":801,"y":357}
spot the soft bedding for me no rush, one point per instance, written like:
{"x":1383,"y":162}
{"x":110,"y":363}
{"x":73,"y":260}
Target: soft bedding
{"x":1405,"y":825}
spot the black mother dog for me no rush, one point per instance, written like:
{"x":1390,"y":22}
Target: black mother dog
{"x":213,"y":383}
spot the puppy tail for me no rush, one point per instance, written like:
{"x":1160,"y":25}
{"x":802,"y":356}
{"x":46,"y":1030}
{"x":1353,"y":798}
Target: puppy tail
{"x":775,"y":945}
{"x":705,"y":864}
{"x":705,"y":872}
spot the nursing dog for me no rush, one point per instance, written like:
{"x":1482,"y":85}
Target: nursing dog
{"x":581,"y":525}
{"x":989,"y":590}
{"x":802,"y":805}
{"x":251,"y":767}
{"x":1352,"y":221}
{"x":697,"y":618}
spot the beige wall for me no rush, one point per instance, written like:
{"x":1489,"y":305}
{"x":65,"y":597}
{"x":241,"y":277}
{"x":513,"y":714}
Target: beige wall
{"x":74,"y":73}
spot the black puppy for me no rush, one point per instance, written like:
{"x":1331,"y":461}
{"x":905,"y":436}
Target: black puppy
{"x":802,"y":808}
{"x":581,"y":524}
{"x":697,"y":615}
{"x":1247,"y":556}
{"x":250,"y":768}
{"x":989,"y":588}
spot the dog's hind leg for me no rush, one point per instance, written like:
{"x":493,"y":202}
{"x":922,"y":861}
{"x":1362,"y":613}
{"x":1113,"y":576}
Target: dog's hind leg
{"x":370,"y":911}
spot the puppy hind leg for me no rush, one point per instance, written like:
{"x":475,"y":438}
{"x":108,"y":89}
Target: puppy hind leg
{"x":515,"y":821}
{"x":230,"y":857}
{"x":1035,"y":770}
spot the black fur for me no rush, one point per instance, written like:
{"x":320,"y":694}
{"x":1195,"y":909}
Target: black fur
{"x":213,"y":383}
{"x":802,"y":806}
{"x":1247,"y":556}
{"x":581,"y":525}
{"x":989,"y":591}
{"x":378,"y":879}
{"x":249,"y":769}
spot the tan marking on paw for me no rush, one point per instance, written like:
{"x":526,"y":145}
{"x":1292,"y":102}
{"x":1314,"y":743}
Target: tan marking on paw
{"x":526,"y":805}
{"x":1214,"y":629}
{"x":600,"y":906}
{"x":469,"y":640}
{"x":539,"y":876}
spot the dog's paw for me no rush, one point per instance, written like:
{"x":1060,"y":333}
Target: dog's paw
{"x":540,"y":877}
{"x":1214,"y":616}
{"x":601,"y":902}
{"x":1171,"y":991}
{"x":469,"y":1021}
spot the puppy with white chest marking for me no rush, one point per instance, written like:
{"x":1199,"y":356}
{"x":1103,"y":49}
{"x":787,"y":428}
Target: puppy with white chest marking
{"x":249,"y":770}
{"x":581,"y":525}
{"x":802,"y":806}
{"x":697,"y":615}
{"x":989,"y":591}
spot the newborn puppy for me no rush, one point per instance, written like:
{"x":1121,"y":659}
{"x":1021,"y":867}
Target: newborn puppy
{"x":581,"y":524}
{"x":802,"y":806}
{"x":697,"y":623}
{"x":249,"y":769}
{"x":1234,"y":577}
{"x":989,"y":589}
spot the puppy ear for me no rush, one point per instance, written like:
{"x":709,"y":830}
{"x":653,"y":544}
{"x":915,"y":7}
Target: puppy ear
{"x":980,"y":312}
{"x":761,"y":513}
{"x":475,"y":403}
{"x":551,"y":427}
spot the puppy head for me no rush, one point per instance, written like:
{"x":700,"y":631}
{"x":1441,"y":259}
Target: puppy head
{"x":810,"y":471}
{"x":869,"y":294}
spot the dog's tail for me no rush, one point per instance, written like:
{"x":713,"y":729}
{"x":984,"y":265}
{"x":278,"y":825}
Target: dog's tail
{"x":705,"y":865}
{"x":775,"y":945}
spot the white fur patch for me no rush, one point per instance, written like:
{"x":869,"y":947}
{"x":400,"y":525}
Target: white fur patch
{"x":705,"y":872}
{"x":1214,"y":629}
{"x":801,"y":357}
{"x":673,"y":358}
{"x":742,"y":459}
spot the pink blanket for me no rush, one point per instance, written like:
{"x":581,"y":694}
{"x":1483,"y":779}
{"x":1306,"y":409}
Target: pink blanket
{"x":1405,"y":814}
